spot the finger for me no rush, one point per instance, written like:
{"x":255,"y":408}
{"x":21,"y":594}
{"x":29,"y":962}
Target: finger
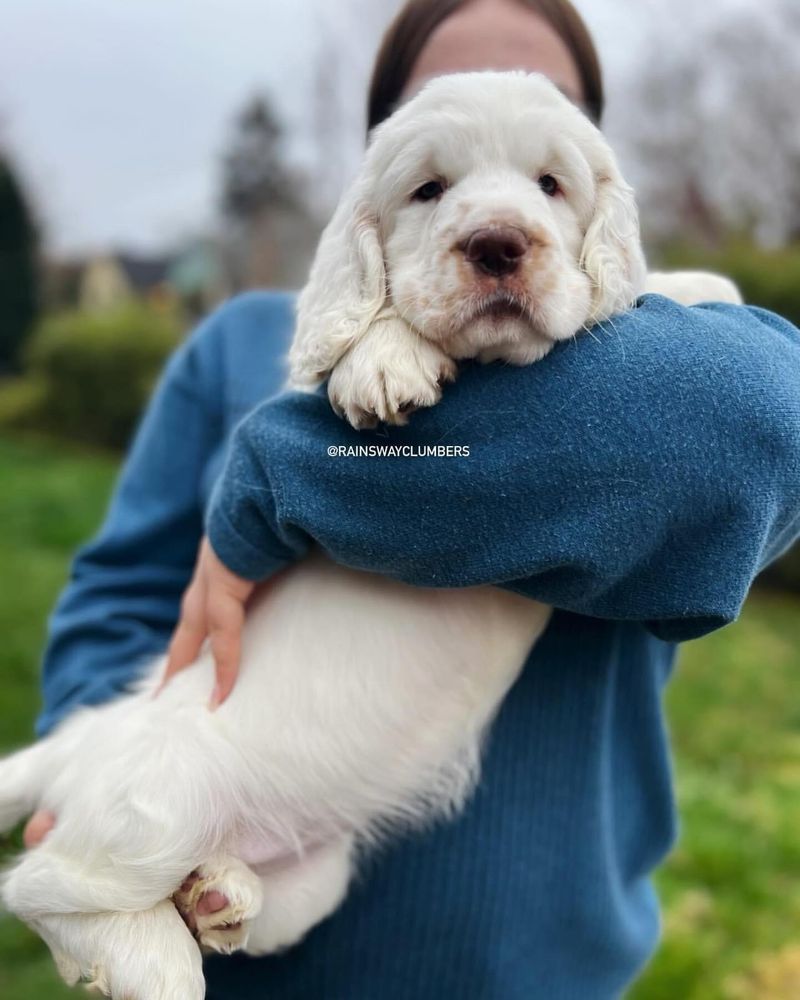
{"x":226,"y":621}
{"x":184,"y":649}
{"x":189,"y":635}
{"x":37,"y":828}
{"x":226,"y":651}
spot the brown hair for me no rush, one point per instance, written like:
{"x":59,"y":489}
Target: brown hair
{"x":408,"y":33}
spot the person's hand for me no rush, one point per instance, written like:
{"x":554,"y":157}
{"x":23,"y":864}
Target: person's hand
{"x":212,"y":607}
{"x":37,"y":828}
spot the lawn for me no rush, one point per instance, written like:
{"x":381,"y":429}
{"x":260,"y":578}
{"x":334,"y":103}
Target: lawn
{"x":51,"y":497}
{"x":731,"y":888}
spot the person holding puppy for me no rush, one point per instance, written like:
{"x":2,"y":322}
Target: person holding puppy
{"x":541,"y":888}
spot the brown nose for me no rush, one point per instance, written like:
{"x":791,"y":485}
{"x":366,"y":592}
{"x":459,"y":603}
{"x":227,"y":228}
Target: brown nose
{"x":496,"y":251}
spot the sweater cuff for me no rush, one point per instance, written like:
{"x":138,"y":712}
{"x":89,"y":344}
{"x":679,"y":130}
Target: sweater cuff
{"x":686,"y":629}
{"x":239,"y":555}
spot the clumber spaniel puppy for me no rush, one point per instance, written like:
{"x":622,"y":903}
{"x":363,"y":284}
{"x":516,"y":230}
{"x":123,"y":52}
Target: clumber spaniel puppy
{"x":489,"y":219}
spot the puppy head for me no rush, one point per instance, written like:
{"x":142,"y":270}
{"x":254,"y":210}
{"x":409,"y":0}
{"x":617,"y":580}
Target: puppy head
{"x":489,"y":214}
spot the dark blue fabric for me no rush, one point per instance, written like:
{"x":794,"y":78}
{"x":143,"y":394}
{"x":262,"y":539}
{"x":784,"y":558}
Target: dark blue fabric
{"x":636,"y":478}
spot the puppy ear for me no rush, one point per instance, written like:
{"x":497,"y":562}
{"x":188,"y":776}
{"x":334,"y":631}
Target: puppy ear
{"x":345,"y":291}
{"x":612,"y":254}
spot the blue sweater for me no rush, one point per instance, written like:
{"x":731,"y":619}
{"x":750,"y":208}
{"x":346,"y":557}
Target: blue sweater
{"x":636,"y":479}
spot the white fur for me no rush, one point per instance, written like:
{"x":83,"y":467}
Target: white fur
{"x":361,"y":702}
{"x":691,"y":287}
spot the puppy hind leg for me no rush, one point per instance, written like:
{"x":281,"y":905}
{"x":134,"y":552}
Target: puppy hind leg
{"x":239,"y":889}
{"x":55,"y":878}
{"x":128,"y":956}
{"x":128,"y":845}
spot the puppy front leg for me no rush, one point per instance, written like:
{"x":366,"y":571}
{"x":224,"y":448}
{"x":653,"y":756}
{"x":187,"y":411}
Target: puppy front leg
{"x":298,"y":894}
{"x":389,"y":372}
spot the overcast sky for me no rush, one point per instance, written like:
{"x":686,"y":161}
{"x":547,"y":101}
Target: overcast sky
{"x":116,"y":110}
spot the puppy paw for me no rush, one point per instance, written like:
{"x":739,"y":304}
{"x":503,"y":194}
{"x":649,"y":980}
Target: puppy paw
{"x":388,"y":374}
{"x":217,"y":901}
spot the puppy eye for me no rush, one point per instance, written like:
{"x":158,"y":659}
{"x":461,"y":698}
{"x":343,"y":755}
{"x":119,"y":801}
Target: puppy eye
{"x":549,"y":185}
{"x":429,"y":191}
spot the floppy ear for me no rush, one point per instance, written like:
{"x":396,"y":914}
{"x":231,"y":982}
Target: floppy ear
{"x":345,"y":290}
{"x":612,"y":254}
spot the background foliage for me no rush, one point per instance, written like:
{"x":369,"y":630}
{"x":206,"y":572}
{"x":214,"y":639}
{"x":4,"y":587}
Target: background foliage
{"x":767,"y":278}
{"x":88,"y":375}
{"x":19,"y":267}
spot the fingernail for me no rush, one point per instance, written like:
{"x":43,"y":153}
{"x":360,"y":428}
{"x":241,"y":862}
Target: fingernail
{"x":216,"y":698}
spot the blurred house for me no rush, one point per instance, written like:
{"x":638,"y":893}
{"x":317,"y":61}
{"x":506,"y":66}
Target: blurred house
{"x":110,"y":280}
{"x":191,"y":278}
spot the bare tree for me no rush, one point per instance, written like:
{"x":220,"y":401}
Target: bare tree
{"x":348,"y":34}
{"x":273,"y":207}
{"x":254,"y":168}
{"x":716,"y":124}
{"x":269,"y":235}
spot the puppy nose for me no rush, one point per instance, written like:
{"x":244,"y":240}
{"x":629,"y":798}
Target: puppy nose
{"x":496,"y":251}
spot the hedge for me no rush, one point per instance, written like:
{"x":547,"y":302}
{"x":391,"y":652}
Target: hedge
{"x":88,"y":375}
{"x":768,"y":278}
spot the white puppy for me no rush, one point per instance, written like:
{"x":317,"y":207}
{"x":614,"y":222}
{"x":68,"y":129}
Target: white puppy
{"x":490,"y":219}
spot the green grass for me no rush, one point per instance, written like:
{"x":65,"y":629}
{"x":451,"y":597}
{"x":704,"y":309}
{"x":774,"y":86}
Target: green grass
{"x":731,"y":888}
{"x":51,"y":497}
